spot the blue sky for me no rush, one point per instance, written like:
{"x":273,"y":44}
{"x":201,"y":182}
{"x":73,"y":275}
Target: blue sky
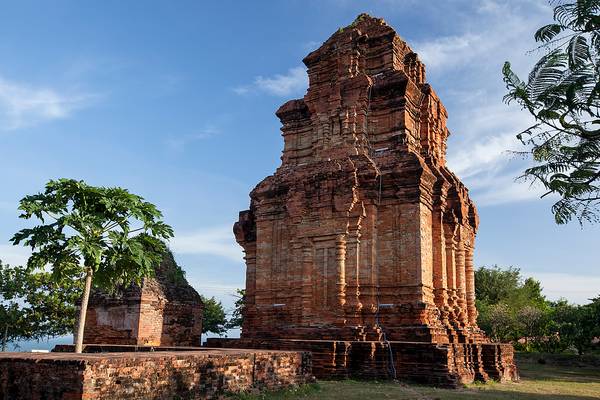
{"x":175,"y":101}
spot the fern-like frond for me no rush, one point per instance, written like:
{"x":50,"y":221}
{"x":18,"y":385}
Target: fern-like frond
{"x":548,"y":32}
{"x":578,"y":51}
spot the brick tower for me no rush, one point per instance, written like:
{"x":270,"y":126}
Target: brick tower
{"x":363,"y":236}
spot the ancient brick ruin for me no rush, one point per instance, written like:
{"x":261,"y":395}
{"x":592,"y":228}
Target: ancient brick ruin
{"x":198,"y":374}
{"x":163,"y":311}
{"x":362,"y":240}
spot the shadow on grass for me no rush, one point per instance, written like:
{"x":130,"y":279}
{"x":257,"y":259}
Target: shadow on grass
{"x":498,"y":395}
{"x":535,"y":371}
{"x":354,"y":390}
{"x":570,"y":381}
{"x":539,"y":382}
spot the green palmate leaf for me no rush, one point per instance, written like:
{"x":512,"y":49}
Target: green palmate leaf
{"x":116,"y":235}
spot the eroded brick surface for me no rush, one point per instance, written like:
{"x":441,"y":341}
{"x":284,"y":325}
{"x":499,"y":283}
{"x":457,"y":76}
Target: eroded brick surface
{"x":363,"y":234}
{"x":441,"y":364}
{"x":195,"y":374}
{"x":162,"y":311}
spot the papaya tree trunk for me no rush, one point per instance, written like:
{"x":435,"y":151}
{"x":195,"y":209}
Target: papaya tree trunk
{"x":83,"y":311}
{"x":5,"y":338}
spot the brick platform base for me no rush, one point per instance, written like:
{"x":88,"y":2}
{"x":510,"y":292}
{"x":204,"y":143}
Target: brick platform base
{"x":199,"y":374}
{"x":447,"y":365}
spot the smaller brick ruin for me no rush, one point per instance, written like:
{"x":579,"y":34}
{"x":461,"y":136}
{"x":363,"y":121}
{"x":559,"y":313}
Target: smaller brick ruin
{"x":163,"y":311}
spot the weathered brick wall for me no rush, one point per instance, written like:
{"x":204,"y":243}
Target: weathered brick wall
{"x":427,"y":363}
{"x":163,"y":311}
{"x":156,"y":375}
{"x":363,"y":235}
{"x":363,"y":225}
{"x":27,"y":376}
{"x":182,"y":325}
{"x":115,"y":321}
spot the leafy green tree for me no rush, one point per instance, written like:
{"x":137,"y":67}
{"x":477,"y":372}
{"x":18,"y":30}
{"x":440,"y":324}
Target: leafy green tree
{"x":214,"y":319}
{"x":100,"y":235}
{"x":494,"y":285}
{"x":33,"y":306}
{"x":532,"y":292}
{"x":510,"y":307}
{"x":576,"y":325}
{"x":532,"y":324}
{"x":562,"y":93}
{"x":499,"y":321}
{"x":237,"y":315}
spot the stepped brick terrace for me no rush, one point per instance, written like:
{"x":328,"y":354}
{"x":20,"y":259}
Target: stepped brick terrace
{"x":360,"y":246}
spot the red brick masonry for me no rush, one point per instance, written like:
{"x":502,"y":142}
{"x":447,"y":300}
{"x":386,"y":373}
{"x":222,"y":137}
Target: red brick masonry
{"x":198,"y":374}
{"x":163,"y":311}
{"x":363,"y":235}
{"x":448,"y":365}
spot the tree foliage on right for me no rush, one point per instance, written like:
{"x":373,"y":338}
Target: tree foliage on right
{"x":562,"y":93}
{"x":513,"y":309}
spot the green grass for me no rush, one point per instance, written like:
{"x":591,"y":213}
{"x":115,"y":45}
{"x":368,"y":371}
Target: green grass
{"x":538,"y":382}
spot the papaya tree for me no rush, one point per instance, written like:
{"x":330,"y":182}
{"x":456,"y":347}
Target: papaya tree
{"x":103,"y":236}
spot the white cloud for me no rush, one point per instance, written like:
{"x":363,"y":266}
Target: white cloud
{"x":179,"y":142}
{"x":576,"y":288}
{"x":224,"y":292}
{"x":502,"y":188}
{"x":14,"y":255}
{"x":499,"y":30}
{"x":484,"y":129}
{"x":449,"y":51}
{"x":241,"y":90}
{"x":482,"y":150}
{"x":22,"y":105}
{"x":483,"y":156}
{"x":294,"y":81}
{"x":217,"y":241}
{"x":311,"y":45}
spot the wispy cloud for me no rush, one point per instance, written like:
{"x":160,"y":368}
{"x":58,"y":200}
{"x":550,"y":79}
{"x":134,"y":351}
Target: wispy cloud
{"x":503,"y":187}
{"x":576,"y":288}
{"x":217,"y":241}
{"x":450,"y":51}
{"x":179,"y":142}
{"x":224,"y":292}
{"x":293,"y":82}
{"x":14,"y":255}
{"x":8,"y":206}
{"x":311,"y":45}
{"x":23,"y":105}
{"x":484,"y":129}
